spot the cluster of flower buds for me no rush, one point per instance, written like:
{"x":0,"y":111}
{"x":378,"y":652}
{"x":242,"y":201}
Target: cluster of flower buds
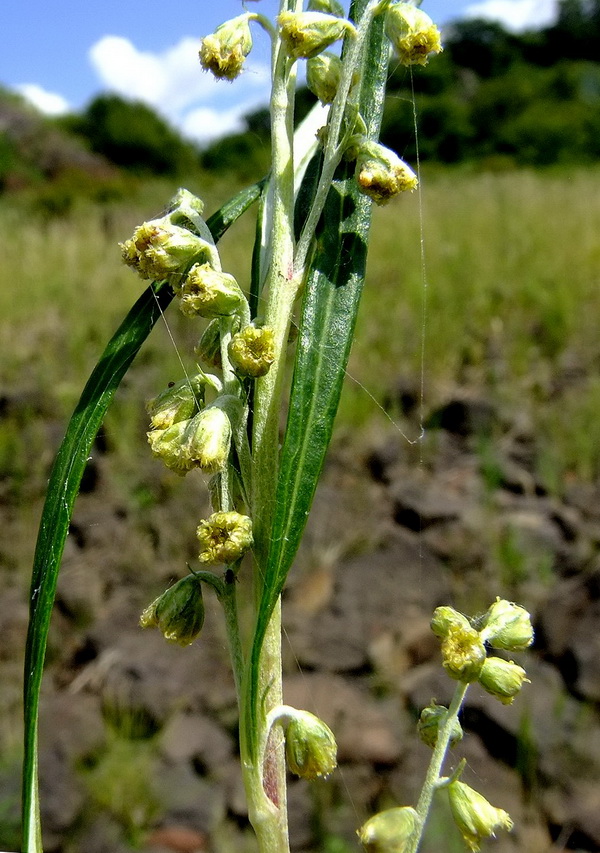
{"x":380,"y":173}
{"x":504,"y":626}
{"x":389,"y":831}
{"x":223,"y":52}
{"x":178,"y":613}
{"x":202,"y":441}
{"x":252,"y":350}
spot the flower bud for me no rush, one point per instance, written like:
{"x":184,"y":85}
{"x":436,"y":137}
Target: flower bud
{"x":201,"y":442}
{"x":310,"y":746}
{"x":323,"y":74}
{"x":463,"y":653}
{"x":330,"y":7}
{"x":223,"y":52}
{"x":159,"y":249}
{"x":503,"y":679}
{"x":178,"y":613}
{"x":206,"y":292}
{"x":252,"y":351}
{"x":208,"y":348}
{"x":507,"y":626}
{"x":412,"y":33}
{"x":306,"y":34}
{"x":224,"y":537}
{"x":381,"y":174}
{"x":444,"y":618}
{"x":430,"y":722}
{"x":474,"y":816}
{"x":389,"y":831}
{"x":179,"y":402}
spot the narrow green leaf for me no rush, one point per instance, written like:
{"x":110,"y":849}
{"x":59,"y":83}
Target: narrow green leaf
{"x":63,"y":488}
{"x":329,"y":311}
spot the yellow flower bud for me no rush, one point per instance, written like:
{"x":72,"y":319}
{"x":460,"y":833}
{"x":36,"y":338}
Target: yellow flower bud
{"x":178,"y":613}
{"x":474,"y":816}
{"x":323,"y":74}
{"x":502,"y":679}
{"x":208,"y":348}
{"x":431,"y":720}
{"x":306,"y":34}
{"x":381,"y":174}
{"x":412,"y":33}
{"x":389,"y":831}
{"x":507,"y":626}
{"x":463,"y":653}
{"x":179,"y":402}
{"x":444,"y":617}
{"x":223,"y":52}
{"x":159,"y":249}
{"x":252,"y":351}
{"x":310,"y":746}
{"x":206,"y":292}
{"x":224,"y":537}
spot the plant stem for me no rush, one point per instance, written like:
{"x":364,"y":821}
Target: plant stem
{"x":435,"y":765}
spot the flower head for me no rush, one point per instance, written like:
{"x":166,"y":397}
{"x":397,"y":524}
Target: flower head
{"x":323,"y":74}
{"x":179,"y":402}
{"x":431,"y":720}
{"x":381,"y":174}
{"x":412,"y":33}
{"x":224,"y":537}
{"x":306,"y":34}
{"x":252,"y":351}
{"x":207,"y":292}
{"x":223,"y":52}
{"x":474,"y":816}
{"x":463,"y":653}
{"x":502,"y":679}
{"x":158,"y":249}
{"x":178,"y":613}
{"x":445,"y":617}
{"x":310,"y":746}
{"x":389,"y":831}
{"x":507,"y":626}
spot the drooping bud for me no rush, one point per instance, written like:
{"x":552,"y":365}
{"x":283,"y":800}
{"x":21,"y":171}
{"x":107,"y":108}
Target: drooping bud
{"x":158,"y":249}
{"x":208,"y":348}
{"x":306,"y":34}
{"x":224,"y":537}
{"x":178,"y":613}
{"x":252,"y":351}
{"x":389,"y":831}
{"x":323,"y":74}
{"x":330,"y":7}
{"x":502,"y":679}
{"x":179,"y":402}
{"x":201,"y":442}
{"x":310,"y":746}
{"x":412,"y":33}
{"x":223,"y":52}
{"x":444,"y":618}
{"x":381,"y":174}
{"x":206,"y":292}
{"x":430,"y":722}
{"x":475,"y":817}
{"x":463,"y":653}
{"x":507,"y":626}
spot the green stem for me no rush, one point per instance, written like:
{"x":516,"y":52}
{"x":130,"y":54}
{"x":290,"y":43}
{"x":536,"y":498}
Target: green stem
{"x":435,"y":765}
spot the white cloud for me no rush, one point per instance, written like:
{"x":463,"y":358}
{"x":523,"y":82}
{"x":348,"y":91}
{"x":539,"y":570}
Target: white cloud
{"x":46,"y":102}
{"x":173,"y":83}
{"x":516,"y":15}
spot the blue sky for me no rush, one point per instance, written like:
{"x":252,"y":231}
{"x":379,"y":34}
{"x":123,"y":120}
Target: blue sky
{"x":62,"y":53}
